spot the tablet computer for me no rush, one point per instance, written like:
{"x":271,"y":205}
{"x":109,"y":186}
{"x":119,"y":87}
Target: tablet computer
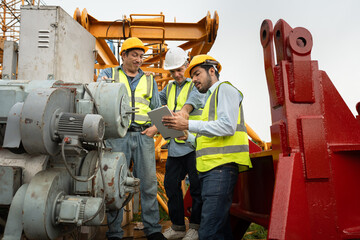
{"x":156,"y":118}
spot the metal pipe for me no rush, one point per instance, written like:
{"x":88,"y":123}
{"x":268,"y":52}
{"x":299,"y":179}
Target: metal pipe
{"x":256,"y":137}
{"x":162,"y":203}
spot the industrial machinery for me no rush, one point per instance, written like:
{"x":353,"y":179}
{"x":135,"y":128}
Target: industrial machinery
{"x":305,"y":187}
{"x":54,"y":159}
{"x":56,"y":174}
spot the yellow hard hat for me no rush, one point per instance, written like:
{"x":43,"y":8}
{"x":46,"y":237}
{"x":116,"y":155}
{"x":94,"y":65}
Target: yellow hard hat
{"x":133,"y":42}
{"x":202,"y":59}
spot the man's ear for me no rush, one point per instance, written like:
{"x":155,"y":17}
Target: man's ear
{"x":122,"y":55}
{"x":212,"y":71}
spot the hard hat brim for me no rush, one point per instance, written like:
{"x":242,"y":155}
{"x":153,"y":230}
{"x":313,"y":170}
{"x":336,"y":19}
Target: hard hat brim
{"x":173,"y":67}
{"x":188,"y":70}
{"x":136,"y":46}
{"x":201,"y":62}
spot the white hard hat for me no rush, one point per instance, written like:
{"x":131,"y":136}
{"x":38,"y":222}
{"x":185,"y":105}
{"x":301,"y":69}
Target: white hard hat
{"x":175,"y":58}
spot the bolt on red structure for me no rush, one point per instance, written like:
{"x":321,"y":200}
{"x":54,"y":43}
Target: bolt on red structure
{"x":307,"y":186}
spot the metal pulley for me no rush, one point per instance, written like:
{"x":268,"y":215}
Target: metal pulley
{"x":111,"y":101}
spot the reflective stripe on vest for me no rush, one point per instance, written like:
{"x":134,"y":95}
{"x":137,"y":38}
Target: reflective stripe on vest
{"x":140,"y":98}
{"x":181,"y":100}
{"x":215,"y":151}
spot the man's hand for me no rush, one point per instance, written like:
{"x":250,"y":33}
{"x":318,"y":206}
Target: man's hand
{"x":148,"y":73}
{"x":186,"y":110}
{"x":183,"y":138}
{"x":184,"y":114}
{"x":150,"y":131}
{"x":176,"y":122}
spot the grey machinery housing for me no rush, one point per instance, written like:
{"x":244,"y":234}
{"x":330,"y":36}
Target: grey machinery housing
{"x":59,"y":129}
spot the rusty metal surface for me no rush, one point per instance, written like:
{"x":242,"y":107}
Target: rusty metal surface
{"x":115,"y":171}
{"x":10,"y":178}
{"x":10,"y":60}
{"x":54,"y":46}
{"x":38,"y":110}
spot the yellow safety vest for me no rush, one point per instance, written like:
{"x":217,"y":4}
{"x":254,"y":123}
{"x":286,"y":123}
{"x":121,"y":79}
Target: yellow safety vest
{"x":140,"y":98}
{"x":215,"y":151}
{"x":180,"y":100}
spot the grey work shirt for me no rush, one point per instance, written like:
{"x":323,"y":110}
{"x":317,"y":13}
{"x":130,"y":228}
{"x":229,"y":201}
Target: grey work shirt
{"x":197,"y":100}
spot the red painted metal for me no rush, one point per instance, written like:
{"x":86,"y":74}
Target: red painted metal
{"x":315,"y":151}
{"x":187,"y":204}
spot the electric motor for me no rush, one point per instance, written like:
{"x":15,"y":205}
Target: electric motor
{"x":89,"y":127}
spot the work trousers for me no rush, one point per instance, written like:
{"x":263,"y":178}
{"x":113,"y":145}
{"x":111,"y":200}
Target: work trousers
{"x":176,"y":170}
{"x":141,"y":150}
{"x":217,"y":187}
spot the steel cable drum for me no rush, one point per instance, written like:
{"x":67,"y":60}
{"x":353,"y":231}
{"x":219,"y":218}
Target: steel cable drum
{"x":112,"y":102}
{"x":36,"y":118}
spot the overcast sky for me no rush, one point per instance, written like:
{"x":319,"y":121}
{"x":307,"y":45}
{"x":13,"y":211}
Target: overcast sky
{"x":334,"y":25}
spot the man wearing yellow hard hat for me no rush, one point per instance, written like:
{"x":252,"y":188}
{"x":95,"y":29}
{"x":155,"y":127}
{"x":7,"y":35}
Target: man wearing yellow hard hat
{"x":222,"y":147}
{"x":138,"y":143}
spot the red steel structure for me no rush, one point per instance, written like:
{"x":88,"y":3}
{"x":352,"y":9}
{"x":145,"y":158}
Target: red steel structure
{"x":306,"y":186}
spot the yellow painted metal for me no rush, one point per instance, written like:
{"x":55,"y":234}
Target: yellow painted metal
{"x":10,"y":19}
{"x":160,"y":177}
{"x":104,"y":54}
{"x":256,"y":138}
{"x":77,"y":15}
{"x":160,"y":153}
{"x":155,"y":32}
{"x":161,"y":195}
{"x":162,"y":203}
{"x":97,"y":66}
{"x":183,"y":188}
{"x":155,"y":70}
{"x":173,"y":31}
{"x":155,"y":18}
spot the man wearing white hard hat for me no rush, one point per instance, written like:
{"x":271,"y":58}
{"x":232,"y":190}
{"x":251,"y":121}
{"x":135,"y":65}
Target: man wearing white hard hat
{"x":182,"y":97}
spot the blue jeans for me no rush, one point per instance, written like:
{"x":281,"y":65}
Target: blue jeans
{"x":217,"y":186}
{"x":176,"y":170}
{"x":139,"y":149}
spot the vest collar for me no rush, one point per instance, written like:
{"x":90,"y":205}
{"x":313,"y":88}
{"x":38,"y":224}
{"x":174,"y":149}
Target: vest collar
{"x":139,"y":75}
{"x":183,"y":83}
{"x":212,"y":89}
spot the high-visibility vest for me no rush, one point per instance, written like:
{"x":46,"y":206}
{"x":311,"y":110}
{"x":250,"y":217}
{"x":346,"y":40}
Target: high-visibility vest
{"x":140,"y":98}
{"x":215,"y":151}
{"x":175,"y":104}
